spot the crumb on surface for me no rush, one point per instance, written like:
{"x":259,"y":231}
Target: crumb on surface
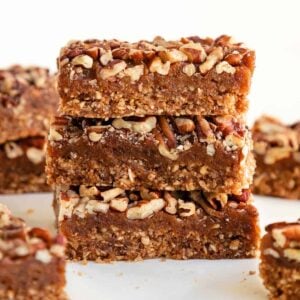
{"x":29,"y":211}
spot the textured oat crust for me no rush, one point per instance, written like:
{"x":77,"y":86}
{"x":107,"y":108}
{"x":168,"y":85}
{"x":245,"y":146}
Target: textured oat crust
{"x":280,"y":261}
{"x":281,"y":179}
{"x":178,"y":225}
{"x":192,"y":76}
{"x":277,"y":154}
{"x":23,"y":166}
{"x":158,"y":153}
{"x":27,"y":100}
{"x":26,"y":287}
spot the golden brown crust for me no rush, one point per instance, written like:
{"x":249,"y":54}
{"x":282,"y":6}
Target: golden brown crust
{"x":186,"y":77}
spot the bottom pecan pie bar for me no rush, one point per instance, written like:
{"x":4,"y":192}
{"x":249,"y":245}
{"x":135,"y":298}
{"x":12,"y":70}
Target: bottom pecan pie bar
{"x":22,"y":166}
{"x":32,"y":264}
{"x":280,"y":260}
{"x":114,"y":224}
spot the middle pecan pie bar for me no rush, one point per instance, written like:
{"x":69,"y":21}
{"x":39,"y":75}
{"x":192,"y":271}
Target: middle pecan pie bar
{"x":164,"y":153}
{"x":22,"y":166}
{"x":108,"y":224}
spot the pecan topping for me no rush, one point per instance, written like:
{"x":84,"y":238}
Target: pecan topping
{"x":224,"y":66}
{"x":112,"y":69}
{"x":145,"y":126}
{"x":216,"y":199}
{"x":171,"y":206}
{"x":35,"y":155}
{"x":164,"y":151}
{"x":85,"y":191}
{"x":215,"y":56}
{"x":145,"y":209}
{"x":135,"y":72}
{"x":173,"y":56}
{"x":119,"y":204}
{"x":194,"y":51}
{"x":12,"y":150}
{"x":167,"y":131}
{"x":83,"y":60}
{"x":106,"y":57}
{"x":184,"y":125}
{"x":203,"y":129}
{"x":159,"y":67}
{"x":111,"y":194}
{"x":234,"y":58}
{"x":54,"y":135}
{"x":93,"y":52}
{"x":186,"y":209}
{"x":189,"y":69}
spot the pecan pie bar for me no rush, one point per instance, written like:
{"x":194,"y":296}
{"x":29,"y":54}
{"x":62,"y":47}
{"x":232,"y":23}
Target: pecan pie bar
{"x":109,"y":224}
{"x":277,"y":154}
{"x":32,"y":262}
{"x":164,"y":153}
{"x":27,"y":100}
{"x":280,"y":260}
{"x":23,"y":166}
{"x":191,"y":76}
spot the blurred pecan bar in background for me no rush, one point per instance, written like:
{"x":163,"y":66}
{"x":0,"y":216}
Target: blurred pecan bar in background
{"x":191,"y":76}
{"x":108,"y":224}
{"x":280,"y":260}
{"x":32,"y":262}
{"x":277,"y":154}
{"x":27,"y":101}
{"x":164,"y":153}
{"x":23,"y":166}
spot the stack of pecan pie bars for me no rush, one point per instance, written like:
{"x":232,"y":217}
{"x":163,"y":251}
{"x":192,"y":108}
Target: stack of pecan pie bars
{"x":151,"y":156}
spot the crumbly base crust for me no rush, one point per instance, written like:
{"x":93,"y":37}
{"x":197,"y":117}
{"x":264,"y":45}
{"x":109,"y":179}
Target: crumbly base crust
{"x":28,"y":183}
{"x":50,"y":292}
{"x":281,"y":179}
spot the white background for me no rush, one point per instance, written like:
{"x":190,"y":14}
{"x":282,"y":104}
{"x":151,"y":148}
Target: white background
{"x":32,"y":32}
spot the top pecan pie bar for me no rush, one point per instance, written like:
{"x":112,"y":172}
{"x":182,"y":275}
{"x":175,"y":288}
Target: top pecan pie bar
{"x":190,"y":76}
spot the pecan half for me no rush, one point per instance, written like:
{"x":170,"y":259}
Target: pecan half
{"x":167,"y":131}
{"x":215,"y":56}
{"x":83,"y":60}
